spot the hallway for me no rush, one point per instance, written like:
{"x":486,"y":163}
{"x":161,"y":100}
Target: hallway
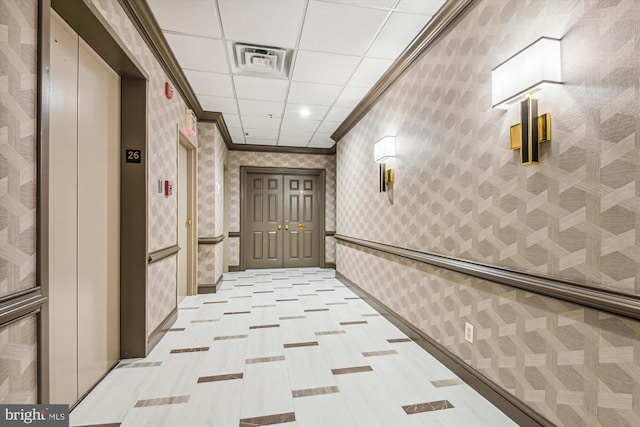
{"x":295,"y":347}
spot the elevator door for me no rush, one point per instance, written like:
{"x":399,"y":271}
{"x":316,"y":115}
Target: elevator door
{"x":84,"y":216}
{"x":282,"y":221}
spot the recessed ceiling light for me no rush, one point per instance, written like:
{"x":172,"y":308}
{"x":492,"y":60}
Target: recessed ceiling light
{"x":305,"y":112}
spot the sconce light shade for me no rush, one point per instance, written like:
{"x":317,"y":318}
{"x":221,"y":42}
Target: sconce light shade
{"x":384,"y":149}
{"x":526,"y":72}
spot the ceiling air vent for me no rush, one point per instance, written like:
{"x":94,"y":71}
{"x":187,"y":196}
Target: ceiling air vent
{"x":262,"y":60}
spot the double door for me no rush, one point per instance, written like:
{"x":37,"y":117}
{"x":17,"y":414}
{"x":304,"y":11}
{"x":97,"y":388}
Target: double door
{"x":282,"y":221}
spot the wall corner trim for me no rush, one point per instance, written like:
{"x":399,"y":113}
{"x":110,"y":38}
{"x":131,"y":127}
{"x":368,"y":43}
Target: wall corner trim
{"x":609,"y":301}
{"x":442,"y":21}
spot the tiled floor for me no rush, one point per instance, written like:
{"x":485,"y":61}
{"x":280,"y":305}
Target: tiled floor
{"x":294,"y":347}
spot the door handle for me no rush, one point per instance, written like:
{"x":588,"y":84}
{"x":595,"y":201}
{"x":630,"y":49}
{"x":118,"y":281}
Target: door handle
{"x":286,"y":225}
{"x":279,"y":227}
{"x":300,"y":226}
{"x":188,"y":222}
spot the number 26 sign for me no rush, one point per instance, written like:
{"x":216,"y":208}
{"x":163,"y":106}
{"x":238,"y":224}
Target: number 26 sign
{"x":133,"y":156}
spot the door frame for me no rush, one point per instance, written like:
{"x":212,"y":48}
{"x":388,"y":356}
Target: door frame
{"x":245,"y":171}
{"x":192,"y":212}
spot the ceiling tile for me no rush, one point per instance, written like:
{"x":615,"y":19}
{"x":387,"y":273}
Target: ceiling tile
{"x":255,"y":141}
{"x":338,"y":114}
{"x":261,"y":133}
{"x":313,"y":94}
{"x":218,"y":103}
{"x":260,"y":122}
{"x":261,"y":89}
{"x":369,"y":71}
{"x":210,"y":83}
{"x":197,"y":17}
{"x":295,"y":135}
{"x":327,"y":68}
{"x":365,"y":3}
{"x":424,"y":7}
{"x":273,"y":23}
{"x":197,"y":53}
{"x":396,"y":35}
{"x":316,"y":112}
{"x":298,"y":124}
{"x":260,"y":108}
{"x":340,"y":28}
{"x":232,"y":120}
{"x":237,"y":135}
{"x":350,"y":96}
{"x":322,"y":140}
{"x":328,"y":126}
{"x":293,"y":142}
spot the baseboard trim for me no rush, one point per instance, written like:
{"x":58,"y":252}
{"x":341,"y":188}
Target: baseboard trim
{"x":234,"y":268}
{"x":518,"y":411}
{"x":209,"y":288}
{"x":161,"y":330}
{"x":330,"y":265}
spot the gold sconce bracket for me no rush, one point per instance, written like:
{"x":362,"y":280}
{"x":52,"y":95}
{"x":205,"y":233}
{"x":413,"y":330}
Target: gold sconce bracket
{"x":544,"y":131}
{"x":533,"y":129}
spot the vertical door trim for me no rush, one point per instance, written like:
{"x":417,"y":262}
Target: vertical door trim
{"x":246,"y":170}
{"x":192,"y":212}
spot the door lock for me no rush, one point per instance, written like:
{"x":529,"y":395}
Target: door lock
{"x":300,"y":226}
{"x":279,"y":227}
{"x":188,"y":222}
{"x":286,"y":225}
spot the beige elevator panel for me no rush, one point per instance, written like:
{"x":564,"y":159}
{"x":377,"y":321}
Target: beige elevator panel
{"x":84,"y":216}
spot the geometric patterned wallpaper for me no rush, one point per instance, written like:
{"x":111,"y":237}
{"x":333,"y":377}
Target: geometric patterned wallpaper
{"x":18,"y":94}
{"x":574,"y":365}
{"x":460,"y":191}
{"x":19,"y":362}
{"x":235,"y":159}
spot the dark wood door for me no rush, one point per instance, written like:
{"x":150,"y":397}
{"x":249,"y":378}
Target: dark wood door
{"x":282,"y":224}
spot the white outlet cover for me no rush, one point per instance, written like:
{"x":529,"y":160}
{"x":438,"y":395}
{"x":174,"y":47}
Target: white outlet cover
{"x":468,"y":332}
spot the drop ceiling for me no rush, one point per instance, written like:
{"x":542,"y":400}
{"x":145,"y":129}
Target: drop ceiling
{"x":338,"y":51}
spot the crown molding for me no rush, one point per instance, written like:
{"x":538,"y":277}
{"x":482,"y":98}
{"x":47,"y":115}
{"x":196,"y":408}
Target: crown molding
{"x":142,"y":17}
{"x":448,"y":15}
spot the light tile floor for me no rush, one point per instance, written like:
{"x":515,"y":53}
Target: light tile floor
{"x":293,"y":347}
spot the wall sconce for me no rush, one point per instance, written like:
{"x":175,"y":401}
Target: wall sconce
{"x":384,"y":150}
{"x":516,"y":80}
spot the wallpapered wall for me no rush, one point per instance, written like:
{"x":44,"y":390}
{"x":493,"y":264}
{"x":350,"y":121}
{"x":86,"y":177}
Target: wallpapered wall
{"x":304,"y":161}
{"x":18,"y":92}
{"x":212,"y":155}
{"x":460,"y":191}
{"x":166,"y":118}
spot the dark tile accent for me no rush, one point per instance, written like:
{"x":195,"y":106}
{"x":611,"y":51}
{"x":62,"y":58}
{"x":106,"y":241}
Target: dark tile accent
{"x":205,"y":320}
{"x":309,"y":310}
{"x":447,"y":383}
{"x":325,"y":290}
{"x":237,"y":312}
{"x":395,"y":340}
{"x":161,"y":401}
{"x":301,"y":344}
{"x":230,"y":337}
{"x":280,"y":278}
{"x":242,"y":296}
{"x":330,"y":332}
{"x":371,"y":315}
{"x":307,"y":295}
{"x":355,"y":369}
{"x":263,"y":306}
{"x":174,"y":330}
{"x":264,"y":281}
{"x":283,"y":287}
{"x":292,"y":317}
{"x":188,"y":308}
{"x":264,"y":359}
{"x":287,"y":299}
{"x":249,"y":284}
{"x":315,"y":391}
{"x":348,"y":298}
{"x":275,"y":325}
{"x":139,"y":365}
{"x":189,"y":350}
{"x":354,"y":322}
{"x":263,"y":292}
{"x":427,"y":407}
{"x":224,"y":377}
{"x":268,"y":420}
{"x":215,"y":302}
{"x":301,"y":284}
{"x":378,"y":353}
{"x":337,"y":303}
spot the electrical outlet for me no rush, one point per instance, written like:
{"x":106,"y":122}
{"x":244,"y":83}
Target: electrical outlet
{"x":468,"y":332}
